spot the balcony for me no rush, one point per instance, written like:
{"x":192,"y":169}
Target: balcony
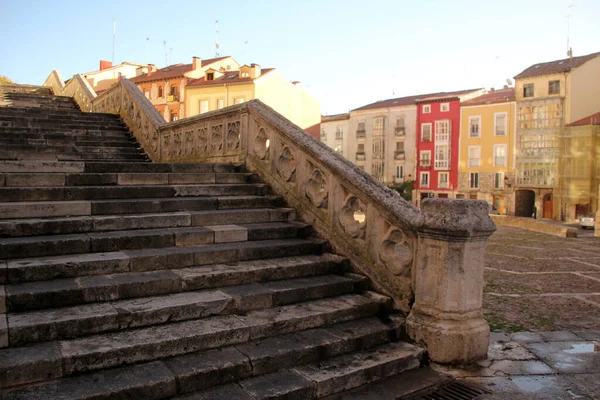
{"x":425,"y":163}
{"x":360,"y":134}
{"x":339,"y":135}
{"x":172,"y":97}
{"x":400,"y":131}
{"x":399,"y":155}
{"x":360,"y":156}
{"x":442,"y":165}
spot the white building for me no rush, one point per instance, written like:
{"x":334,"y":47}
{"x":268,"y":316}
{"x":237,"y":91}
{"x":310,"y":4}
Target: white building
{"x":334,"y":132}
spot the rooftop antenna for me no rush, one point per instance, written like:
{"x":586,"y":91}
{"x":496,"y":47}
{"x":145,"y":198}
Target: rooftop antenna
{"x":569,"y":51}
{"x":170,"y":55}
{"x":166,"y":54}
{"x":147,"y":40}
{"x":217,"y":38}
{"x":114,"y":39}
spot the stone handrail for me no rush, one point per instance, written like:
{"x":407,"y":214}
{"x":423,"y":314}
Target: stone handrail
{"x":429,"y":261}
{"x":55,"y":82}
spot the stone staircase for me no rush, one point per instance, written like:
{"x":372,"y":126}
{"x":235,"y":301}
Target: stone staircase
{"x":124,"y":278}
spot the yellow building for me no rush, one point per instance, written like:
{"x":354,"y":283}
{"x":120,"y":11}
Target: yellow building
{"x":549,"y":96}
{"x":218,"y":89}
{"x":487,"y":149}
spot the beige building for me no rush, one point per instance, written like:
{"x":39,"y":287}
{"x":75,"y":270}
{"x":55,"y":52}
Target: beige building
{"x":108,"y":74}
{"x":381,"y":139}
{"x":334,"y":132}
{"x":549,"y":96}
{"x":216,"y":89}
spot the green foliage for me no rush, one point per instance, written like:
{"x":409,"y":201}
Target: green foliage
{"x":4,"y":80}
{"x":405,"y":189}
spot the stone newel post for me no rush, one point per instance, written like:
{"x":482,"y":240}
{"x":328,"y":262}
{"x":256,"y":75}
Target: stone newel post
{"x":448,"y":280}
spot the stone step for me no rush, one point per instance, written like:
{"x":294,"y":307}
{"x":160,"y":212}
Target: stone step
{"x":32,"y":155}
{"x":69,"y":193}
{"x":83,"y":224}
{"x":92,"y":142}
{"x":41,"y":112}
{"x":82,"y":320}
{"x":194,"y":263}
{"x":125,"y":167}
{"x":77,"y":123}
{"x":74,"y":134}
{"x":42,"y":209}
{"x":192,"y":372}
{"x":132,"y":346}
{"x":14,"y":88}
{"x":73,"y":148}
{"x":120,"y":179}
{"x":99,"y":242}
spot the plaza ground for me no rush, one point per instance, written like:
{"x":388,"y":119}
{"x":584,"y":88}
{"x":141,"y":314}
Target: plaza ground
{"x":538,"y":282}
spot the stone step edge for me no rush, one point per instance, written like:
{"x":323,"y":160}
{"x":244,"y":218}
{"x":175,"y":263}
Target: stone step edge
{"x":68,"y":357}
{"x":80,"y":166}
{"x":206,"y":369}
{"x":117,"y":315}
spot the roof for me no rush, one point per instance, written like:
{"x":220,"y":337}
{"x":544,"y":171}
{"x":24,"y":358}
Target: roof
{"x":409,"y":100}
{"x":593,"y":119}
{"x":446,"y":95}
{"x":335,"y":117}
{"x":555,"y":67}
{"x":497,"y":96}
{"x":228,"y":77}
{"x":172,"y":71}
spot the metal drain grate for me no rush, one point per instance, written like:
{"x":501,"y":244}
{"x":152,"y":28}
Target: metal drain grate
{"x":452,"y":390}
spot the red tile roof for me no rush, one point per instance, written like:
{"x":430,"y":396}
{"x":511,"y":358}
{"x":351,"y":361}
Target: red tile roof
{"x":409,"y":100}
{"x":172,"y":71}
{"x":335,"y":117}
{"x":227,"y":78}
{"x":593,"y":119}
{"x":555,"y":67}
{"x":497,"y":96}
{"x":445,"y":95}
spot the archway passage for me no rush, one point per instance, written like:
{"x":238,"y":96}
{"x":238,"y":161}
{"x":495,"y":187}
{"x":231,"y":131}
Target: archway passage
{"x":548,"y":206}
{"x":524,"y":203}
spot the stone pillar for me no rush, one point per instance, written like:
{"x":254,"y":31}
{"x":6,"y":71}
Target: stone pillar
{"x":448,"y":280}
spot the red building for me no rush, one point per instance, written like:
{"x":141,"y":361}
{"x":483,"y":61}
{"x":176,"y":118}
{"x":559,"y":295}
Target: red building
{"x":438,"y":126}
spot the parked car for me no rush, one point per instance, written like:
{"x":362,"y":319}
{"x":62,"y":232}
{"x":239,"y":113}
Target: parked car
{"x":587,"y":221}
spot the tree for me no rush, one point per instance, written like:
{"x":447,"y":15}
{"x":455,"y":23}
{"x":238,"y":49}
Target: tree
{"x":4,"y":80}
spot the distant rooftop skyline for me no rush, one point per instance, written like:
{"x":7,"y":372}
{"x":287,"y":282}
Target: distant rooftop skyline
{"x":346,"y":53}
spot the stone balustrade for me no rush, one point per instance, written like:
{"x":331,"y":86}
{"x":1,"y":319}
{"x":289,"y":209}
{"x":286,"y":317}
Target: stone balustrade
{"x":429,"y":261}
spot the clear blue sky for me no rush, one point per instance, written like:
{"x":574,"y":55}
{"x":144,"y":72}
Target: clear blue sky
{"x":347,"y":53}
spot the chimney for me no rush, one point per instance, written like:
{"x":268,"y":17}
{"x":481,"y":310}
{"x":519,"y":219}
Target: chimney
{"x":105,"y":65}
{"x":297,"y":83}
{"x":255,"y":71}
{"x":151,"y":69}
{"x":196,"y":63}
{"x":505,"y":86}
{"x":492,"y":90}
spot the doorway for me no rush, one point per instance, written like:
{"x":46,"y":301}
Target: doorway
{"x":524,"y":203}
{"x":548,"y":206}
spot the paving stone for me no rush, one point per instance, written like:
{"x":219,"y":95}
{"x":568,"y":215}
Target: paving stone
{"x":499,"y":337}
{"x":509,"y":351}
{"x":229,"y":233}
{"x":230,"y":391}
{"x":36,"y":363}
{"x":569,"y":357}
{"x":555,"y":336}
{"x":288,"y":385}
{"x":547,"y":387}
{"x":144,"y":381}
{"x":510,"y":367}
{"x":526,"y":337}
{"x":589,"y":334}
{"x":588,"y":384}
{"x":209,"y":368}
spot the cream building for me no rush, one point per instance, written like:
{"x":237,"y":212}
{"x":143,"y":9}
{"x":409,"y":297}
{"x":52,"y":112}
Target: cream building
{"x":549,"y":96}
{"x":334,"y":132}
{"x":108,"y":74}
{"x":381,"y":139}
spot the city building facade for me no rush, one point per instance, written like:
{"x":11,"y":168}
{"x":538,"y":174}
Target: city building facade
{"x":334,"y":132}
{"x":109,"y":74}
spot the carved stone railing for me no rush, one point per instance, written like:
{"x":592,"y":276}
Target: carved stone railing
{"x":55,"y":82}
{"x":78,"y":88}
{"x":429,"y":261}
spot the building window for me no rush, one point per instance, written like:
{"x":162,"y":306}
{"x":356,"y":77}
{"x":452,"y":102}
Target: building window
{"x":378,"y":148}
{"x":474,"y":156}
{"x":210,"y":76}
{"x":323,"y":135}
{"x":203,"y":106}
{"x":499,"y":155}
{"x":474,"y":180}
{"x":399,"y":146}
{"x":426,"y":132}
{"x":528,"y":90}
{"x":445,"y":107}
{"x":554,"y":87}
{"x":399,"y":171}
{"x":442,"y":131}
{"x":378,"y":126}
{"x":147,"y":94}
{"x":424,"y":179}
{"x":160,"y":92}
{"x":426,"y":108}
{"x":475,"y":126}
{"x":442,"y":156}
{"x":443,"y":179}
{"x":500,"y":124}
{"x":238,"y":100}
{"x":173,"y":117}
{"x":377,"y":171}
{"x":339,"y":132}
{"x":425,"y":158}
{"x":360,"y":148}
{"x":499,"y":180}
{"x":220,"y":104}
{"x":360,"y":127}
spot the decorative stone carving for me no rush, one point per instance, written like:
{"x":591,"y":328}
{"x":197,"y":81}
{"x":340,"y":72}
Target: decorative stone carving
{"x":396,"y":251}
{"x":262,"y":144}
{"x":317,"y":189}
{"x":188,"y":145}
{"x":352,"y":217}
{"x":217,"y":137}
{"x":177,"y":144}
{"x":166,"y":148}
{"x":234,"y":139}
{"x":286,"y":164}
{"x":202,"y":145}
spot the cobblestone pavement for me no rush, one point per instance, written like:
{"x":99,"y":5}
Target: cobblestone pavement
{"x":538,"y":282}
{"x":553,"y":365}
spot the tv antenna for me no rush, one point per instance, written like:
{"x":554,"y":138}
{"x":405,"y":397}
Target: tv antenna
{"x":166,"y":54}
{"x":217,"y":38}
{"x":569,"y":51}
{"x":114,"y":39}
{"x":147,"y":40}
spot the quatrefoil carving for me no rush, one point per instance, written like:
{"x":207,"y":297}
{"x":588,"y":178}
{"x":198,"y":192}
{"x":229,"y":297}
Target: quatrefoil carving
{"x":317,"y":190}
{"x":261,"y":144}
{"x":286,"y":165}
{"x":352,"y":217}
{"x":396,"y":252}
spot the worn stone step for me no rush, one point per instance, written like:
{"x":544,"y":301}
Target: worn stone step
{"x":86,"y":142}
{"x":83,"y":224}
{"x":72,"y":149}
{"x":60,"y":124}
{"x":189,"y":373}
{"x":64,"y":134}
{"x":32,"y":155}
{"x":82,"y":320}
{"x":158,"y":167}
{"x":196,"y":261}
{"x":41,"y":166}
{"x":96,"y":242}
{"x":10,"y":194}
{"x":44,"y":113}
